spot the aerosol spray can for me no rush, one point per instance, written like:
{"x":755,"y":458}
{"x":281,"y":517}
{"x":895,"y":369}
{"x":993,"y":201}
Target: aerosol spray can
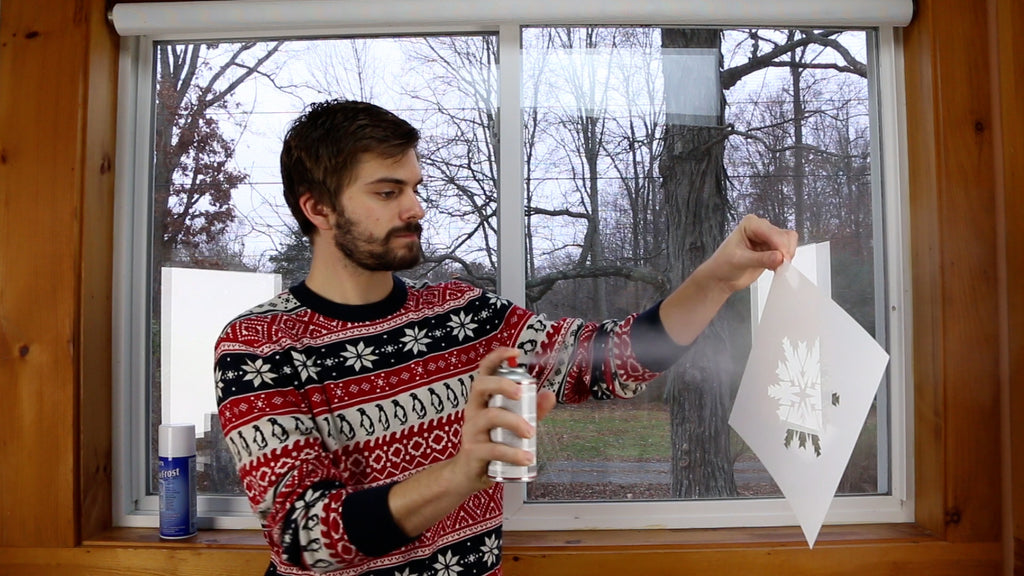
{"x":177,"y":479}
{"x":525,"y":406}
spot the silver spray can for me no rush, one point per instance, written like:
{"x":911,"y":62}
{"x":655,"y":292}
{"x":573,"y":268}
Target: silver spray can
{"x":525,"y":406}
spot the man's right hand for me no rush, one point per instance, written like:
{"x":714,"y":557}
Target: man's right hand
{"x":421,"y":500}
{"x":477,"y":449}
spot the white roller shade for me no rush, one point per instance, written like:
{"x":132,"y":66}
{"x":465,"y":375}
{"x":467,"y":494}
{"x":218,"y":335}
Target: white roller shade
{"x":262,"y":17}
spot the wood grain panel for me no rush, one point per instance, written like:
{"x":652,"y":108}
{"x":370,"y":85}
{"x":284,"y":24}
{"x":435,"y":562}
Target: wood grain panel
{"x":177,"y":561}
{"x":970,"y":272}
{"x":1009,"y":47}
{"x":43,"y":64}
{"x":956,"y":328}
{"x":94,"y":398}
{"x":56,"y":129}
{"x":934,"y":558}
{"x":926,"y":269}
{"x":1018,"y":556}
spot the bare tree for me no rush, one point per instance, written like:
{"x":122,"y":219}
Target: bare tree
{"x":343,"y":69}
{"x":629,"y":201}
{"x":193,"y":180}
{"x":635,"y":226}
{"x":699,"y":210}
{"x":192,"y":175}
{"x":458,"y":104}
{"x":592,"y":184}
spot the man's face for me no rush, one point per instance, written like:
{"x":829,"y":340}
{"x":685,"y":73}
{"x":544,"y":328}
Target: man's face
{"x":377,"y":226}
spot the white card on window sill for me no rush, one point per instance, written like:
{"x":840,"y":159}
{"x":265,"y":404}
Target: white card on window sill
{"x":806,"y":391}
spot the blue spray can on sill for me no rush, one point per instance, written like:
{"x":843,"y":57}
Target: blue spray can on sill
{"x":177,"y":479}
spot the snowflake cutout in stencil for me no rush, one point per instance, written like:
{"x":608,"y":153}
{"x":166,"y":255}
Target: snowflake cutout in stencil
{"x":359,"y":355}
{"x":462,"y":325}
{"x":824,"y":354}
{"x":415,"y":339}
{"x":799,"y":394}
{"x":405,"y":573}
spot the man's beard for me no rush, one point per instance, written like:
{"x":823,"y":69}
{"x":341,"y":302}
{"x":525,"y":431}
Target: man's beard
{"x":376,"y":254}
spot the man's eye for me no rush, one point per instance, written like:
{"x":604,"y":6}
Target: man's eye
{"x":387,"y":194}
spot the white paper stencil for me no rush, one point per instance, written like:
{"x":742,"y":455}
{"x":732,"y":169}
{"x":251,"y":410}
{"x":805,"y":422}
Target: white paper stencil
{"x":806,"y":390}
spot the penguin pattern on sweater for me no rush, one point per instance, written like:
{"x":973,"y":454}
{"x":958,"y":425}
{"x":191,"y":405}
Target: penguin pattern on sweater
{"x":326,"y":406}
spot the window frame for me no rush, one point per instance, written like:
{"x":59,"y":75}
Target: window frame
{"x":132,"y":507}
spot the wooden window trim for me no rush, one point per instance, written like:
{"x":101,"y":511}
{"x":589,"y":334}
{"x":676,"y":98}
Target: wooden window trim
{"x":56,"y":218}
{"x":725,"y":551}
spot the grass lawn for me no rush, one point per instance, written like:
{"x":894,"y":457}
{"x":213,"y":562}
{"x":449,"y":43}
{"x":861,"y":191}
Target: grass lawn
{"x":605,"y":431}
{"x":624,"y":431}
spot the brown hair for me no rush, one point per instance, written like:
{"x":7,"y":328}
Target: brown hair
{"x":324,"y":143}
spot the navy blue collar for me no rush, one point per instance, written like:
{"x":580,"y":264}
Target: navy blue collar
{"x":391,"y":303}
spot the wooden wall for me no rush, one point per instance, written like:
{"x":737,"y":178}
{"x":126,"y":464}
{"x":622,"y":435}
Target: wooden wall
{"x":1007,"y":19}
{"x":58,"y":85}
{"x":964,"y":118}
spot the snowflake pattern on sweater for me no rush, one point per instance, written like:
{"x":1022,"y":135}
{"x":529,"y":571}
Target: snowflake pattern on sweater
{"x":326,"y":406}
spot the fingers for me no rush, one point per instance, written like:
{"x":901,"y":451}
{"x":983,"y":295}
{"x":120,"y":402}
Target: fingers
{"x":501,"y":418}
{"x":507,"y":423}
{"x":477,"y":449}
{"x":771,"y":260}
{"x":545,"y":402}
{"x":760,"y":260}
{"x":486,"y":384}
{"x":520,"y":427}
{"x":510,"y":455}
{"x":492,"y":361}
{"x":483,"y":449}
{"x":509,"y":420}
{"x":756,"y":244}
{"x":763,"y":236}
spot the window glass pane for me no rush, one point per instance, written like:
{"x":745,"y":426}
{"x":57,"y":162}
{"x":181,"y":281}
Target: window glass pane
{"x":642,"y":147}
{"x":219,"y":223}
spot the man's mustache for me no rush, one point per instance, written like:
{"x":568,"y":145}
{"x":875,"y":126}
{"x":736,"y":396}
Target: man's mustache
{"x":410,"y":228}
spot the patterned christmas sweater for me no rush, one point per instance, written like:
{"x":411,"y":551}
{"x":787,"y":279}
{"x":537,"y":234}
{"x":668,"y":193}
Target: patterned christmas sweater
{"x":326,"y":406}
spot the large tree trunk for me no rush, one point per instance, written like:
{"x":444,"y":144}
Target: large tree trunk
{"x":799,"y":208}
{"x":693,"y":174}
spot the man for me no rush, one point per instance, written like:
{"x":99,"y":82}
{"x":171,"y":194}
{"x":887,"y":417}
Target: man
{"x":355,"y":403}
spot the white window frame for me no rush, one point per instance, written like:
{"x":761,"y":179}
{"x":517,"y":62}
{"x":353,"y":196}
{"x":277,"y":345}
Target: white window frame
{"x":132,"y":507}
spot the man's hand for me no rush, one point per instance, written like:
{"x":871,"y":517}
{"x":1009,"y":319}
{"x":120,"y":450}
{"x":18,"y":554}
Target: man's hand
{"x":755,"y":245}
{"x":477,"y":449}
{"x":421,"y":500}
{"x":751,"y":248}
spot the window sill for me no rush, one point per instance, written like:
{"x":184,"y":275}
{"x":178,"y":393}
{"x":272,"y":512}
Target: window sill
{"x":576,"y":540}
{"x":150,"y":538}
{"x":850,"y":549}
{"x":652,"y":540}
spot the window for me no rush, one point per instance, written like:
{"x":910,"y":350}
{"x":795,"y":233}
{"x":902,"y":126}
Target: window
{"x":623,"y":154}
{"x":792,"y":144}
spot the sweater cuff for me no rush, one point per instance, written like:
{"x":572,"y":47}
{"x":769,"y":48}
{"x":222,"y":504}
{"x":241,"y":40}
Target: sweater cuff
{"x":369,"y":524}
{"x":652,"y":346}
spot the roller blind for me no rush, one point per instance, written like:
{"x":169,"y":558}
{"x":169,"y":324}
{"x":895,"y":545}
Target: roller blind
{"x":170,"y":19}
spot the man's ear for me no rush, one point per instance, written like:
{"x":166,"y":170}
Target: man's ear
{"x":319,"y":214}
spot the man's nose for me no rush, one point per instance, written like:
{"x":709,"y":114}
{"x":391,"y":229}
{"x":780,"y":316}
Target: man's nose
{"x":414,"y":209}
